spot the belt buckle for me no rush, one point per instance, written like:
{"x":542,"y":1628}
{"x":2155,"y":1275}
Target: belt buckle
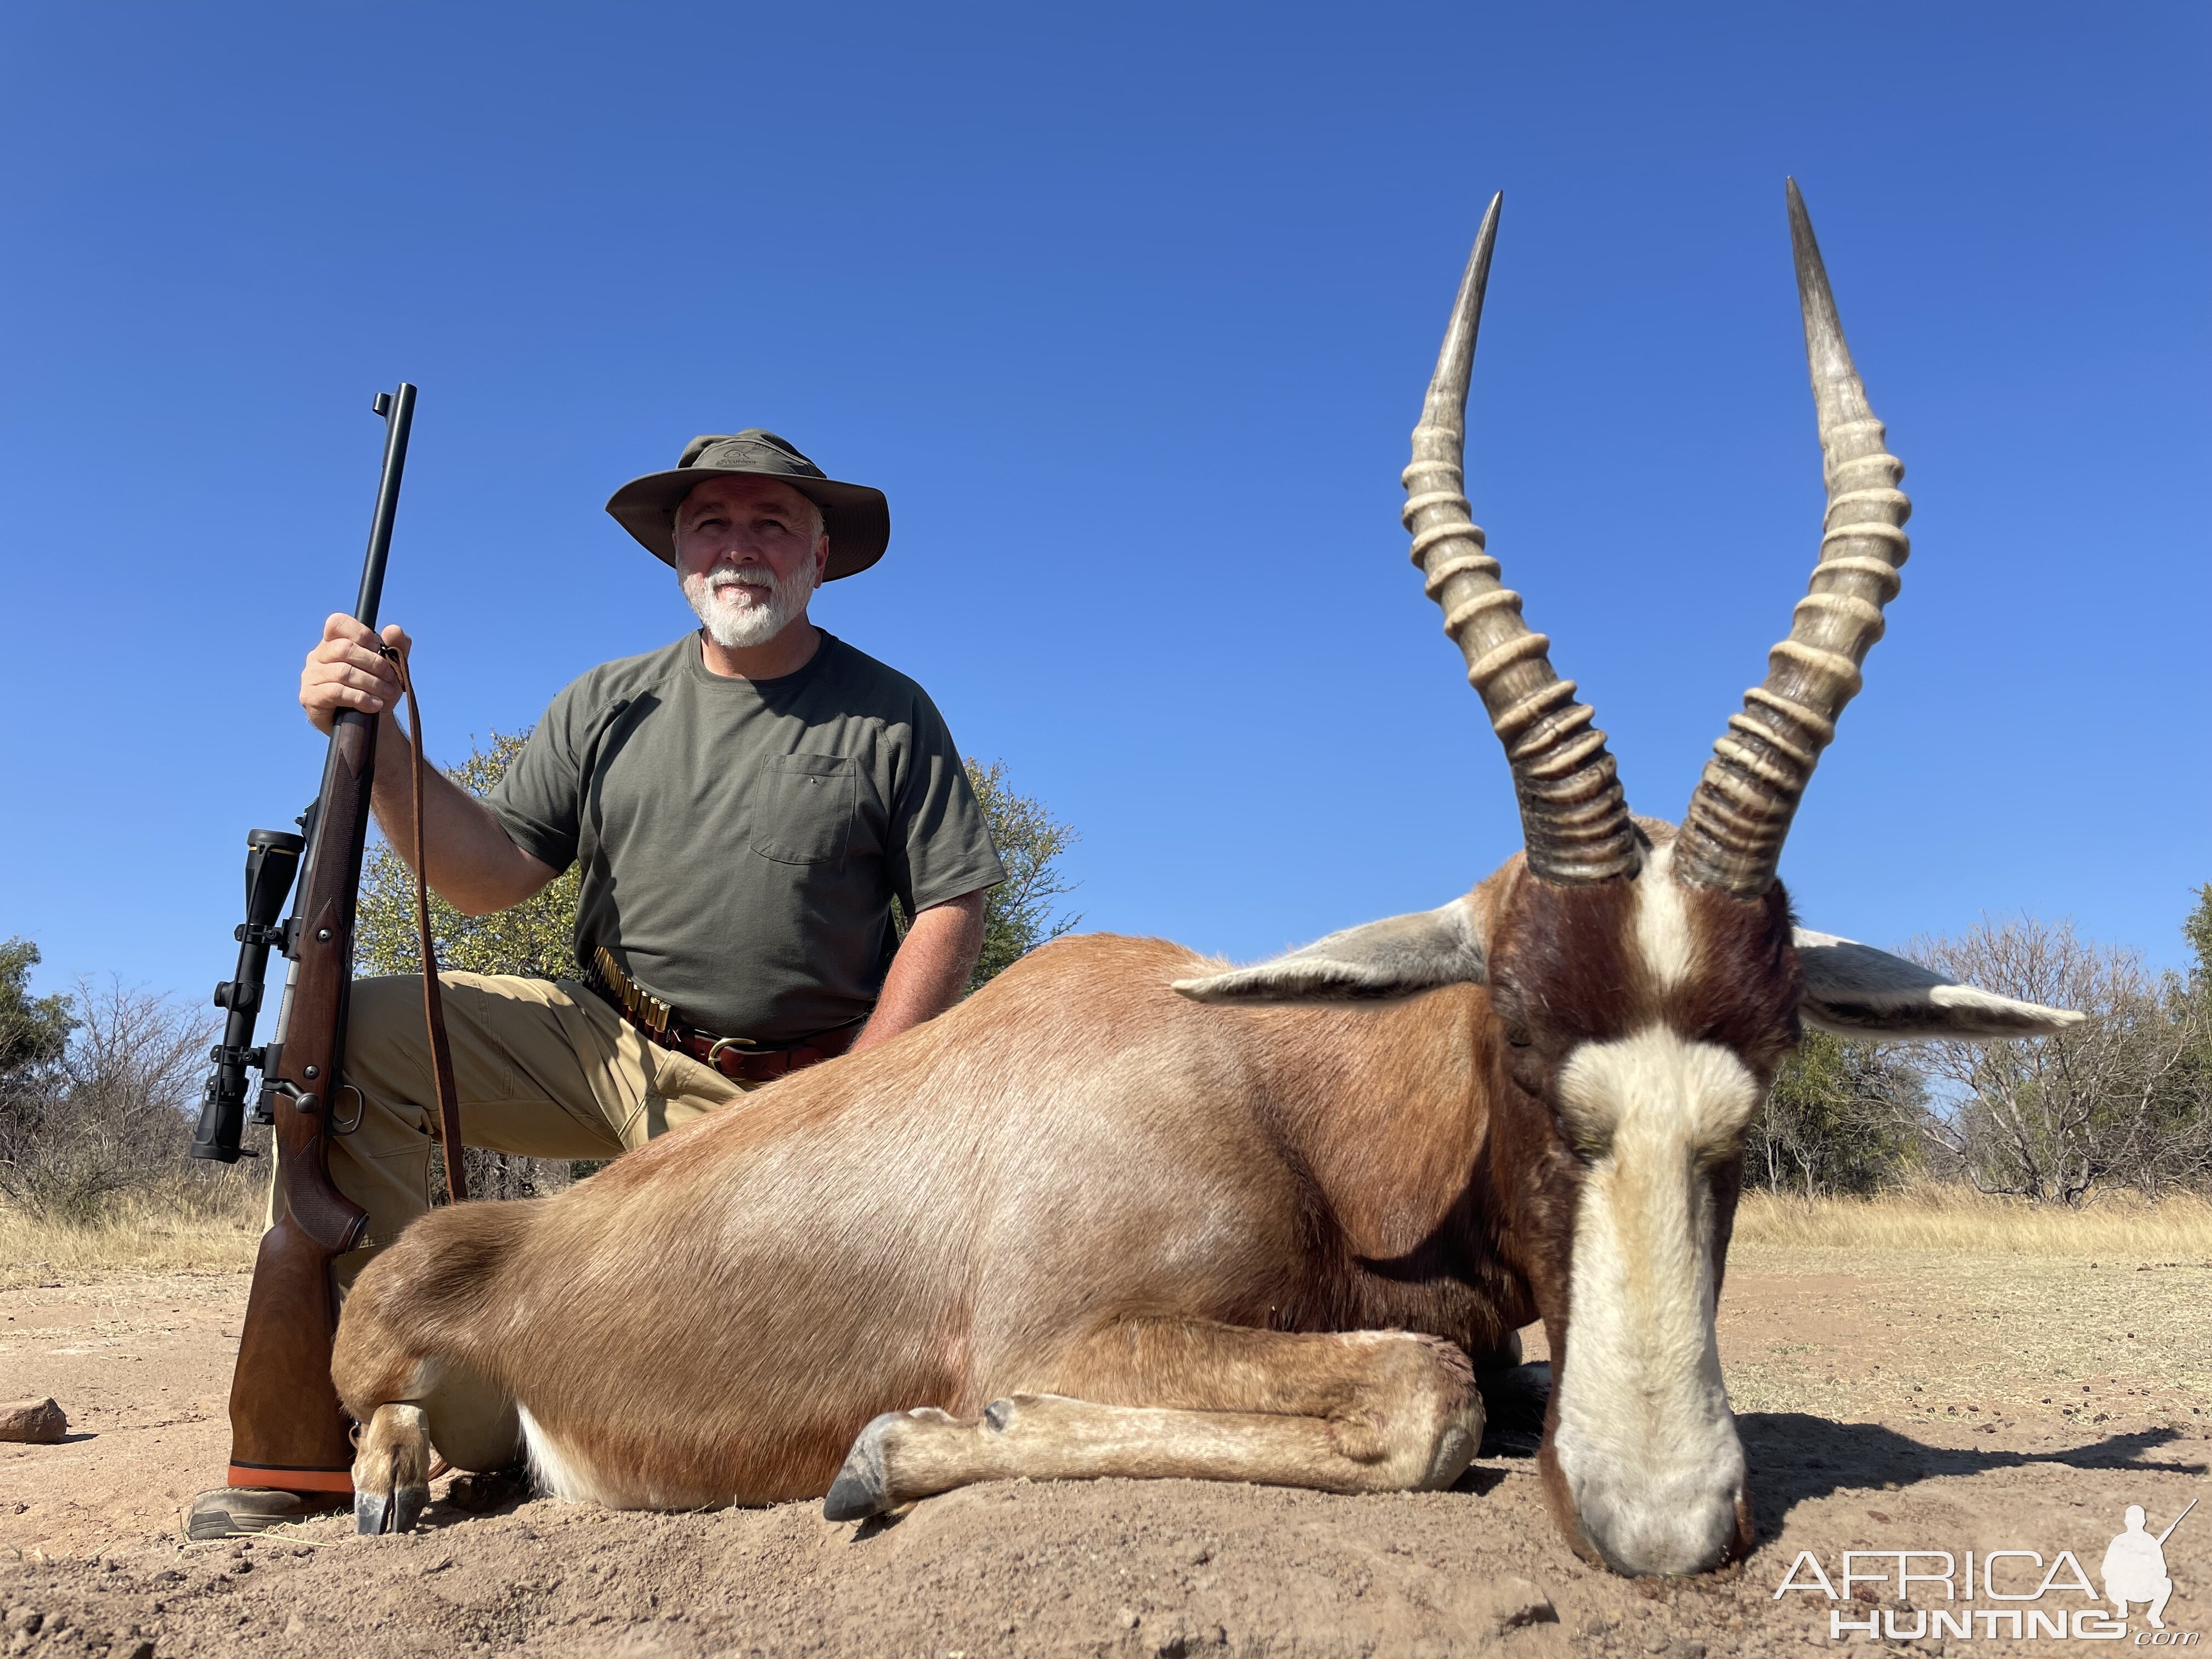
{"x":714,"y":1051}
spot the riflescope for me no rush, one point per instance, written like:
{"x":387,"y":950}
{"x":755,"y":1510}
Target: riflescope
{"x":273,"y":859}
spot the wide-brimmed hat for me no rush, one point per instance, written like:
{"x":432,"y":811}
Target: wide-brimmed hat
{"x":858,"y":518}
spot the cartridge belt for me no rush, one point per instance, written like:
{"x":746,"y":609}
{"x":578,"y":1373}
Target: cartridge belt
{"x":733,"y":1057}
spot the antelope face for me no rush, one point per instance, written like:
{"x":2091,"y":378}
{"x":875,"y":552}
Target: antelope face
{"x":1639,"y":1023}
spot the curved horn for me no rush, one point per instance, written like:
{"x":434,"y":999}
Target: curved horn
{"x":1574,"y":818}
{"x":1740,"y":815}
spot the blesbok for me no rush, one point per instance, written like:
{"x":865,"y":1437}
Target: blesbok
{"x":1127,"y":1211}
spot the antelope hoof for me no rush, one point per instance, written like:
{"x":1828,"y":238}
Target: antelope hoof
{"x":862,"y":1487}
{"x":375,"y":1513}
{"x":392,"y":1470}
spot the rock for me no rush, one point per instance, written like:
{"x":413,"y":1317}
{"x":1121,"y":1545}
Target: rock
{"x":36,"y":1422}
{"x":24,"y":1620}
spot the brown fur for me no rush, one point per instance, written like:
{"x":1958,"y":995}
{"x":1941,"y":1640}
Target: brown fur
{"x":967,"y":1211}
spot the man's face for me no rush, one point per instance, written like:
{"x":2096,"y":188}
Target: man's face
{"x":750,"y":553}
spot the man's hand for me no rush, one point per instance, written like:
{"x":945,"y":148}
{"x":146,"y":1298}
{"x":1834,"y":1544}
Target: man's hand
{"x":930,"y":970}
{"x":347,"y":670}
{"x":473,"y":865}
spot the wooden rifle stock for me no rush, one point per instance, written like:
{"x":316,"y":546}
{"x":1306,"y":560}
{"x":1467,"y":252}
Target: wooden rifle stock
{"x":287,"y":1427}
{"x":287,"y":1430}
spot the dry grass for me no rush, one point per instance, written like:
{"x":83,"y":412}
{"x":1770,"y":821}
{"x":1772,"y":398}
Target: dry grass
{"x":2115,"y":1227}
{"x":191,"y":1227}
{"x":169,"y":1229}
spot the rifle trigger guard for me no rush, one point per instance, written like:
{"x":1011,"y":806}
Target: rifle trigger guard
{"x":360,"y":1110}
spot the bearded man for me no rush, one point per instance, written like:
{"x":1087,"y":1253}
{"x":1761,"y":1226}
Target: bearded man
{"x":743,"y":804}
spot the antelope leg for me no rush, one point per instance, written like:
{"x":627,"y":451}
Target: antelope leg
{"x":1360,"y":1411}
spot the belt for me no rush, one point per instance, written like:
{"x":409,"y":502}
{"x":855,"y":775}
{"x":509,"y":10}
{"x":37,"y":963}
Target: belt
{"x":733,"y":1057}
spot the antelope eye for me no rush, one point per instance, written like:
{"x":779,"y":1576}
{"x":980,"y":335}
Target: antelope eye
{"x":1588,"y":1146}
{"x":1516,"y":1037}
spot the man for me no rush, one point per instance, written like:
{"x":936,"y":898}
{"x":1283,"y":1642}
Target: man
{"x":744,"y":806}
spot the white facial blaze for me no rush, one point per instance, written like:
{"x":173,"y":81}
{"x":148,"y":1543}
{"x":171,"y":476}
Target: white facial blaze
{"x":1662,"y":922}
{"x":1645,"y":1438}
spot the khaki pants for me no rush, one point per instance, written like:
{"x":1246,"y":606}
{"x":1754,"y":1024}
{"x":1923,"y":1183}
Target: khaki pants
{"x":545,"y":1069}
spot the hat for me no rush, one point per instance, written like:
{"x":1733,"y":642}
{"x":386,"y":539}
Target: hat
{"x":858,"y":518}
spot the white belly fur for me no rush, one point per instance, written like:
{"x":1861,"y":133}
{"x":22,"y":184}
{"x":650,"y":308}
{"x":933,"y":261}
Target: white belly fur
{"x":557,"y":1472}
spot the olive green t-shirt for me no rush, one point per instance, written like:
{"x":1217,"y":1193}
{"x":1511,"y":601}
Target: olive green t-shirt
{"x":741,"y":841}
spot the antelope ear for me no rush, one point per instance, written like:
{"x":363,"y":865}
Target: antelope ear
{"x":1855,"y":990}
{"x":1394,"y":957}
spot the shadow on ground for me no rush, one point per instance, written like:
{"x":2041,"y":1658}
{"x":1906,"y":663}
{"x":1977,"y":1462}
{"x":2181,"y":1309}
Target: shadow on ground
{"x":1795,"y":1457}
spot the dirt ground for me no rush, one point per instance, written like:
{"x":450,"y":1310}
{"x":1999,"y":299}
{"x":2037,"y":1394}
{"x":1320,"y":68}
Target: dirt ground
{"x":1887,"y":1402}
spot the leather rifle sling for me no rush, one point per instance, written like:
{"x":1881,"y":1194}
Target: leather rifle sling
{"x":434,"y":1004}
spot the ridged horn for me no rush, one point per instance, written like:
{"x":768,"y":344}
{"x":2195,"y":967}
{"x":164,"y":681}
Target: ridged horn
{"x":1574,"y":818}
{"x":1740,"y":815}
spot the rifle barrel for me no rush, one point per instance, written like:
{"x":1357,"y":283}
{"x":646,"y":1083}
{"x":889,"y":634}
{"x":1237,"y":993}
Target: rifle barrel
{"x":2178,"y":1520}
{"x":398,"y":414}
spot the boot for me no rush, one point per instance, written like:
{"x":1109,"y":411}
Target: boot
{"x":242,"y":1511}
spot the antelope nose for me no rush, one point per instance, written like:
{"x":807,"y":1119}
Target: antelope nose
{"x":1677,"y":1523}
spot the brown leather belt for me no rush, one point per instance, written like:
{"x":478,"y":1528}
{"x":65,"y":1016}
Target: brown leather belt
{"x":733,"y":1057}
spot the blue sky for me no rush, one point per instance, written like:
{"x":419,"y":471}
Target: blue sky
{"x":1129,"y":309}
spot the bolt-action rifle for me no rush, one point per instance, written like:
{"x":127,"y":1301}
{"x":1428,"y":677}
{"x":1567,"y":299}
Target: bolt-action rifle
{"x":287,"y":1430}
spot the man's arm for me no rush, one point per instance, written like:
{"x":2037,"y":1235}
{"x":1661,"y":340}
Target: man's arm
{"x":931,"y":968}
{"x":473,"y":865}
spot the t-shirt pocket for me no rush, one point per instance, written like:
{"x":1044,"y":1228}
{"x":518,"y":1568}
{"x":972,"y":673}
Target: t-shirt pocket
{"x":805,"y":815}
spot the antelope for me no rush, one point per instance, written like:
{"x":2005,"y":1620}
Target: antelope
{"x":1130,"y":1211}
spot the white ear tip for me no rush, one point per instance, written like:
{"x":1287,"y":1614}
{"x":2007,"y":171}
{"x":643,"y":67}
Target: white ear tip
{"x":2045,"y":1022}
{"x":1207,"y":989}
{"x":2030,"y":1018}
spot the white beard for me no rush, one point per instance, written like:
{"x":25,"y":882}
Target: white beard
{"x":734,"y":618}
